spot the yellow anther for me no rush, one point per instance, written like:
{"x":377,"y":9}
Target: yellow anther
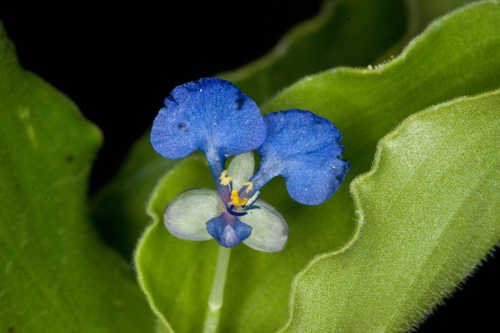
{"x":224,"y":178}
{"x":236,"y":200}
{"x":249,"y":186}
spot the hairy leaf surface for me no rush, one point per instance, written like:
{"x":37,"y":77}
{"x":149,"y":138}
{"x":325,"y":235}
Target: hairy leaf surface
{"x":430,"y":208}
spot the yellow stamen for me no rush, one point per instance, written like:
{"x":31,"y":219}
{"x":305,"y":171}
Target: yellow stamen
{"x":224,"y":179}
{"x":236,"y":200}
{"x":249,"y":186}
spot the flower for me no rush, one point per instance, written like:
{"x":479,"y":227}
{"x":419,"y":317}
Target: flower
{"x":214,"y":116}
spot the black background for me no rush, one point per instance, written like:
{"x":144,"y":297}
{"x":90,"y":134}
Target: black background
{"x":118,"y":63}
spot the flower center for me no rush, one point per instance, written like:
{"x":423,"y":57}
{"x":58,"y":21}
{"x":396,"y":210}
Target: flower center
{"x":236,"y":200}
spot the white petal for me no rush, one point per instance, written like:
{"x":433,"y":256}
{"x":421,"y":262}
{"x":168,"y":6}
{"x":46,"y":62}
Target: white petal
{"x":270,"y":231}
{"x":185,"y":216}
{"x":241,"y":169}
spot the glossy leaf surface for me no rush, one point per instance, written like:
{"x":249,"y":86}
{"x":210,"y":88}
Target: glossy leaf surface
{"x":56,"y":274}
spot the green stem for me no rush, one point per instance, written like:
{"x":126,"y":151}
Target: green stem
{"x":216,"y":297}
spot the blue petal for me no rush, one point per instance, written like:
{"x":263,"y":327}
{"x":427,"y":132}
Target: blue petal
{"x":305,"y":149}
{"x":227,"y":230}
{"x":211,"y":115}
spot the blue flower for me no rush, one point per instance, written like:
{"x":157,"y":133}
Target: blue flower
{"x":214,"y":116}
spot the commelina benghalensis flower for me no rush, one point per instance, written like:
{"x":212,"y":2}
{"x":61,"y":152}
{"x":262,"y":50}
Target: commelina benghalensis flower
{"x":214,"y":116}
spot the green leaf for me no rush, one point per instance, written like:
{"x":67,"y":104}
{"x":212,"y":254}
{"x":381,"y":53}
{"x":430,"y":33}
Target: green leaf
{"x":183,"y":286}
{"x":445,"y":62}
{"x":430,"y":208}
{"x":55,"y":275}
{"x":419,"y":14}
{"x":425,"y":11}
{"x":346,"y":32}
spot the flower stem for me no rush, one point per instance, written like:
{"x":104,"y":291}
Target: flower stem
{"x":216,"y":297}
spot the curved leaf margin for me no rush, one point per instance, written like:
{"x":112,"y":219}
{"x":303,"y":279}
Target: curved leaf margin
{"x":355,"y":192}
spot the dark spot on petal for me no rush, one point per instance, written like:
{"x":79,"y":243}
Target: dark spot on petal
{"x":182,"y":126}
{"x":239,"y":103}
{"x":69,"y":158}
{"x":171,"y":98}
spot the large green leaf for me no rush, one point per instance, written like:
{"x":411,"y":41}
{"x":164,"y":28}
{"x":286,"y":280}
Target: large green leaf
{"x":346,"y":32}
{"x":422,"y":12}
{"x":419,"y":14}
{"x":56,"y":275}
{"x":184,"y":285}
{"x":430,"y":208}
{"x":447,"y":61}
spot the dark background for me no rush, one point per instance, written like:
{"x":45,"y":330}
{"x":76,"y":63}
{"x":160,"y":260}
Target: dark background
{"x":117,"y":64}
